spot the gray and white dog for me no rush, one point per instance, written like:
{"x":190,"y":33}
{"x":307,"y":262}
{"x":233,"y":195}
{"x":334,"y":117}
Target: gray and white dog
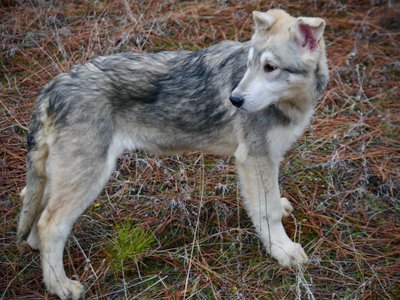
{"x":251,"y":100}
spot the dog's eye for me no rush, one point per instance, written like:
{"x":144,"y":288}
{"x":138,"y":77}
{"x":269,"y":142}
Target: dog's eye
{"x":269,"y":68}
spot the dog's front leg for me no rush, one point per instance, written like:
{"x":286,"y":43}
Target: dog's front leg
{"x":259,"y":181}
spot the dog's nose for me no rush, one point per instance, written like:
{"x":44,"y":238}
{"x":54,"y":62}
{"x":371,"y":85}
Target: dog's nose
{"x":237,"y":101}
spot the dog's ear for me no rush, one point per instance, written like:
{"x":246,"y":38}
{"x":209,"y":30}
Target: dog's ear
{"x":262,"y":20}
{"x":307,"y":32}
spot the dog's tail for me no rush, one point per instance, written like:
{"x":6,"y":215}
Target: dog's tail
{"x":32,"y":194}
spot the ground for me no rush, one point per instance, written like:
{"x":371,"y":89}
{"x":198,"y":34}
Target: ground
{"x":182,"y":216}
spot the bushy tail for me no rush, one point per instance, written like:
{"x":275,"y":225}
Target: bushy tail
{"x":32,"y":194}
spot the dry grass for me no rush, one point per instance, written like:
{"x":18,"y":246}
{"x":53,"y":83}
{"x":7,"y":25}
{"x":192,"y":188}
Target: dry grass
{"x":342,"y":176}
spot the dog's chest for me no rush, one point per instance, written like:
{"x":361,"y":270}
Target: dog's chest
{"x":282,"y":137}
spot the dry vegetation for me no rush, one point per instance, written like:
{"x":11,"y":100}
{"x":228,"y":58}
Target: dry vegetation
{"x":342,"y":176}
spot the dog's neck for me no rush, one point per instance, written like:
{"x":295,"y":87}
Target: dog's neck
{"x":296,"y":109}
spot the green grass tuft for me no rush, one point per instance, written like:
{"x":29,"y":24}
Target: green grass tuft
{"x":130,"y":244}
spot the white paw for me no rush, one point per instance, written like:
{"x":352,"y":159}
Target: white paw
{"x":23,"y":192}
{"x":287,"y":208}
{"x":33,"y":241}
{"x":69,"y":289}
{"x":288,"y":254}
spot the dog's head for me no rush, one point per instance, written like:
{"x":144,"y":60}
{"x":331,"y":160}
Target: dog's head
{"x":286,"y":61}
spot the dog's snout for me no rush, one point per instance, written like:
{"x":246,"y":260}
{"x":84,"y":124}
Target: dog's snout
{"x":236,"y":100}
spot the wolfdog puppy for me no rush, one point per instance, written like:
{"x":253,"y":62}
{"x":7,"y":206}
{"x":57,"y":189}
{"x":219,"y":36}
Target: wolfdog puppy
{"x":251,"y":100}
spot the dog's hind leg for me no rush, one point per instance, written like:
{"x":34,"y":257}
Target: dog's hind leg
{"x":76,"y":175}
{"x":33,"y":238}
{"x":259,"y":180}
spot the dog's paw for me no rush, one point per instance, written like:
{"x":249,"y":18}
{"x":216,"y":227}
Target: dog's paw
{"x":289,"y":254}
{"x":33,"y":241}
{"x":68,"y":290}
{"x":287,"y":208}
{"x":23,"y":193}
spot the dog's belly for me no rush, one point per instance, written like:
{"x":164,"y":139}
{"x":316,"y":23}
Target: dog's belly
{"x":180,"y":127}
{"x":171,"y":140}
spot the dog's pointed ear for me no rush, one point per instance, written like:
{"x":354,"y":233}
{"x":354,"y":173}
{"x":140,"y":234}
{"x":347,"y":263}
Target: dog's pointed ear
{"x":262,"y":20}
{"x":307,"y":32}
